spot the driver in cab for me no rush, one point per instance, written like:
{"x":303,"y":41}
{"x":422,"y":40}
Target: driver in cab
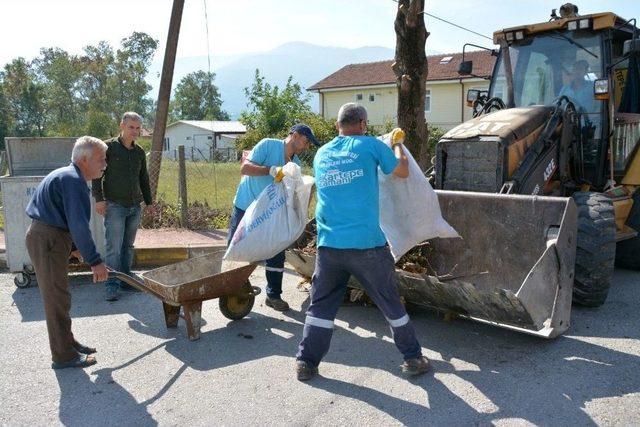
{"x":578,"y":87}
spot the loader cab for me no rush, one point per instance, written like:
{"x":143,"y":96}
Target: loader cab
{"x":567,"y":59}
{"x":561,"y":63}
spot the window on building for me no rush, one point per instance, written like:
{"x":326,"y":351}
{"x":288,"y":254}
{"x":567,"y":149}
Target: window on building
{"x":358,"y":97}
{"x":372,"y":97}
{"x":427,"y":101}
{"x":446,"y":59}
{"x":166,"y":144}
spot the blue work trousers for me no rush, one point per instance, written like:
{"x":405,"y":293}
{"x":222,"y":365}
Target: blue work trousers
{"x":274,"y":267}
{"x":121,"y":225}
{"x":374,"y":269}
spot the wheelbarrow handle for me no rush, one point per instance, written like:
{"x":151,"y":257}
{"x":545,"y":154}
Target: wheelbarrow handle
{"x":139,"y":285}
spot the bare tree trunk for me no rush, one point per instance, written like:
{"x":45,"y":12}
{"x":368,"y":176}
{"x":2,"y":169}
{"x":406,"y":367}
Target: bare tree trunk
{"x":411,"y":69}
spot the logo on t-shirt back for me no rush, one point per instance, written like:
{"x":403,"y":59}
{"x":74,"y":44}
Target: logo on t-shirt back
{"x":334,"y":177}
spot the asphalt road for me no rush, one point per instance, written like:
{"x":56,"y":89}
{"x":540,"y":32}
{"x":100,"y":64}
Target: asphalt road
{"x":241,"y":373}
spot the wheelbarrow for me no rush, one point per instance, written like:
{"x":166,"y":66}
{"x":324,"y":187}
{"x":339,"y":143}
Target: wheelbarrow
{"x":188,"y":283}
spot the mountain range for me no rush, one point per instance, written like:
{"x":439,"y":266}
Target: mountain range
{"x":306,"y":62}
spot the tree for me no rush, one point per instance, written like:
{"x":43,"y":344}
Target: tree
{"x":411,"y":70}
{"x":59,"y":73}
{"x":97,"y":91}
{"x":5,"y":117}
{"x":66,"y":95}
{"x":197,"y":98}
{"x":24,"y":97}
{"x":272,"y":111}
{"x":127,"y":84}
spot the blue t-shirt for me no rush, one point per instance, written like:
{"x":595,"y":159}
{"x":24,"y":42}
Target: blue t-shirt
{"x":268,"y":152}
{"x":347,"y":209}
{"x":582,"y":97}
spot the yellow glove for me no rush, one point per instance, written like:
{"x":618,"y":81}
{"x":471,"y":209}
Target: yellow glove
{"x":397,"y":137}
{"x":277,"y":173}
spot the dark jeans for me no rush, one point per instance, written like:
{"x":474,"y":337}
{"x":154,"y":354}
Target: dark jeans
{"x":274,"y":266}
{"x":374,"y":269}
{"x":121,"y":225}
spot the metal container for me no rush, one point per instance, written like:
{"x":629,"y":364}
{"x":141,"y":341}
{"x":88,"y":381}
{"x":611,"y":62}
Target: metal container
{"x":29,"y":161}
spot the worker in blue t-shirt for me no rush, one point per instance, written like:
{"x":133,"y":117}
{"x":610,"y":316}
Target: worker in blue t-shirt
{"x":260,"y":168}
{"x":350,"y":241}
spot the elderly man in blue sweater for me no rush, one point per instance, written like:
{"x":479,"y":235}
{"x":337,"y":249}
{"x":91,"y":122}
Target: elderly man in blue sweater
{"x":61,"y":210}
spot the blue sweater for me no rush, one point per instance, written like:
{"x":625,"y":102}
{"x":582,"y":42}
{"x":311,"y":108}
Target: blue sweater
{"x":62,"y":200}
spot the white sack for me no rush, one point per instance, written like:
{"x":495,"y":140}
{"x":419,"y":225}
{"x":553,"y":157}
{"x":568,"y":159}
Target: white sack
{"x":274,"y":220}
{"x":409,"y":209}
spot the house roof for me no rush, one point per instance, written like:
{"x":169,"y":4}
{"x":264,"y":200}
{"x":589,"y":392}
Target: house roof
{"x":216,"y":126}
{"x":441,"y":67}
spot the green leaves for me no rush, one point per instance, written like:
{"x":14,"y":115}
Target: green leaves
{"x":58,"y":94}
{"x":273,"y":111}
{"x":197,"y":98}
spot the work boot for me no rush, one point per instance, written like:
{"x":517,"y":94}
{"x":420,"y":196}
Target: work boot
{"x":416,"y":366}
{"x":305,"y":371}
{"x":111,"y":293}
{"x":277,"y":304}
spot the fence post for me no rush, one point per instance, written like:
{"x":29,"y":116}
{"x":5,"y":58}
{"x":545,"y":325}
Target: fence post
{"x":182,"y":187}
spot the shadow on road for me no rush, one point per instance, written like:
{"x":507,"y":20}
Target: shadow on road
{"x":480,"y":373}
{"x":110,"y":403}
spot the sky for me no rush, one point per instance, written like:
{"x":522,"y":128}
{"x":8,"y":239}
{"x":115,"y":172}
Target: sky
{"x":240,"y":27}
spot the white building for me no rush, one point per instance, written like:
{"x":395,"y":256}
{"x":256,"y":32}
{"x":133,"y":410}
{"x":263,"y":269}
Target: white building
{"x":203,"y":139}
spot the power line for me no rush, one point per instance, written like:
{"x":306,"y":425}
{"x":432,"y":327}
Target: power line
{"x":451,"y":23}
{"x":456,"y":25}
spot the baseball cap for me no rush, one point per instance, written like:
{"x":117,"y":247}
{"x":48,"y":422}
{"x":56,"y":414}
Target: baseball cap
{"x":306,"y":131}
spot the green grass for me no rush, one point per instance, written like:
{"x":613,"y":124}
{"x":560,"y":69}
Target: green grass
{"x":215,"y":183}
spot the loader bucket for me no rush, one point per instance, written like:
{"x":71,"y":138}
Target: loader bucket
{"x":513,"y":266}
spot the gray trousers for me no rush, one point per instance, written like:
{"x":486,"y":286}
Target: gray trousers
{"x":49,"y":249}
{"x":374,"y":269}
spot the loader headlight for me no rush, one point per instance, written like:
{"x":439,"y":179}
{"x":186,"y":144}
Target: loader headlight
{"x":601,"y":89}
{"x":572,"y":25}
{"x":509,"y":37}
{"x":519,"y":35}
{"x":584,"y":23}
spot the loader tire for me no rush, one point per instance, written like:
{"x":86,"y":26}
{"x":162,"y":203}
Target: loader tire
{"x":628,"y":251}
{"x":596,"y":248}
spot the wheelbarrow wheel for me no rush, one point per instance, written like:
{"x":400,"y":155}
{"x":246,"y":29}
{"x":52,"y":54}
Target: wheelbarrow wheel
{"x":22,"y":280}
{"x":237,"y":306}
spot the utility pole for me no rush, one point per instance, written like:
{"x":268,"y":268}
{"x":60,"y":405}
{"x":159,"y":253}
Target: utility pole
{"x":164,"y":94}
{"x":411,"y":70}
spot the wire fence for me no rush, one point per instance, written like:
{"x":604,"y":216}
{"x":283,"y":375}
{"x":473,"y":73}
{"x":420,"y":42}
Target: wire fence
{"x":208,"y":180}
